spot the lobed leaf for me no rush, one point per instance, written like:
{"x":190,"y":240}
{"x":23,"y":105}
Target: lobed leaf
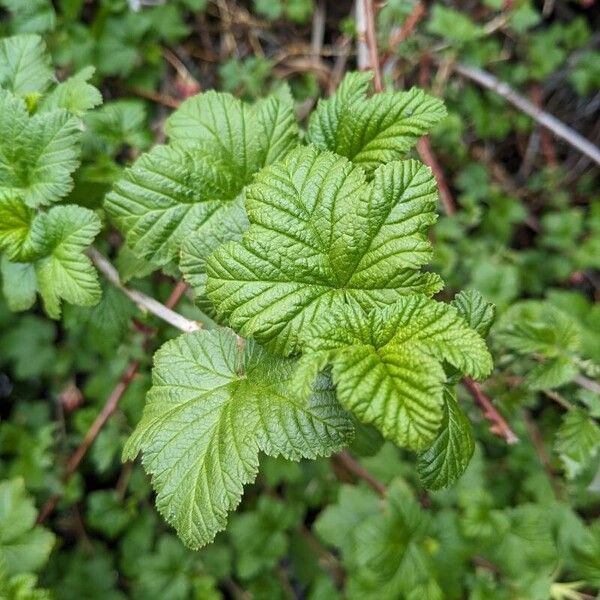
{"x":375,"y":130}
{"x":37,"y":154}
{"x":24,"y":64}
{"x":320,"y":236}
{"x":387,"y":363}
{"x":446,"y":459}
{"x":212,"y":407}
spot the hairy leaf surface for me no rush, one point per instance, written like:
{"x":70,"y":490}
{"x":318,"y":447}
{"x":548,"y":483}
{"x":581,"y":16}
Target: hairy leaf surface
{"x":212,"y":408}
{"x":375,"y":130}
{"x":320,"y":236}
{"x":387,"y":363}
{"x":196,"y":183}
{"x":37,"y":154}
{"x":24,"y":64}
{"x":446,"y":460}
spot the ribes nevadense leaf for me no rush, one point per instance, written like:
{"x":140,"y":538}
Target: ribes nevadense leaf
{"x":577,"y":441}
{"x":64,"y":271}
{"x":534,"y":326}
{"x":375,"y":130}
{"x":75,"y":94}
{"x":195,"y":184}
{"x":478,"y":313}
{"x":387,"y":363}
{"x":212,"y":407}
{"x":449,"y":455}
{"x":24,"y":64}
{"x":23,"y":546}
{"x":15,"y":225}
{"x":38,"y":154}
{"x":319,"y":236}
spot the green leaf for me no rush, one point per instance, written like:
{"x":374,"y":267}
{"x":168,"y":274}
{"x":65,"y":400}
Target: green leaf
{"x":23,"y":546}
{"x":196,"y":249}
{"x":319,"y":236}
{"x":19,"y":284}
{"x":212,"y":408}
{"x":387,"y":364}
{"x":164,"y":197}
{"x":375,"y":130}
{"x":74,"y":94}
{"x":65,"y":272}
{"x":244,"y":136}
{"x":15,"y":225}
{"x":24,"y":64}
{"x":446,"y":460}
{"x":478,"y":313}
{"x":554,"y":373}
{"x":259,"y":536}
{"x":37,"y":154}
{"x":533,"y":326}
{"x":577,"y":441}
{"x":196,"y":184}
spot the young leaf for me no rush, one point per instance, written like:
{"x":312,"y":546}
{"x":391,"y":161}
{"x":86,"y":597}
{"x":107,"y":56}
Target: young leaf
{"x":15,"y":225}
{"x":387,"y":364}
{"x":212,"y":408}
{"x":24,"y":64}
{"x":65,"y":272}
{"x":19,"y":284}
{"x":446,"y":460}
{"x":478,"y":313}
{"x":37,"y":154}
{"x":23,"y":546}
{"x":321,"y":235}
{"x":246,"y":137}
{"x":533,"y":326}
{"x":577,"y":441}
{"x":74,"y":94}
{"x":375,"y":130}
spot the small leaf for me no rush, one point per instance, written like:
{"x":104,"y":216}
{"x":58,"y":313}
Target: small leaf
{"x":19,"y":284}
{"x":212,"y":408}
{"x":23,"y":545}
{"x":24,"y":64}
{"x":319,"y":236}
{"x":577,"y":441}
{"x":37,"y":154}
{"x":74,"y":94}
{"x":375,"y":130}
{"x":446,"y":460}
{"x":478,"y":313}
{"x":533,"y":326}
{"x":62,"y":234}
{"x":15,"y":225}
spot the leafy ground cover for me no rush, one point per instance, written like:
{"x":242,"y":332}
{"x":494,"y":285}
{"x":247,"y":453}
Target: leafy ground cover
{"x":412,"y":411}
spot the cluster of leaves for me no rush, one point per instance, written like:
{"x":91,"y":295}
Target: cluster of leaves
{"x":342,"y":342}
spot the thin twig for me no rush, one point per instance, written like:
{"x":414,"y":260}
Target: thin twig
{"x":109,"y":408}
{"x":587,"y":383}
{"x":403,"y":33}
{"x":352,"y":465}
{"x":143,"y":301}
{"x":498,"y":426}
{"x":371,"y":40}
{"x":362,"y":49}
{"x":545,"y":119}
{"x":326,"y":558}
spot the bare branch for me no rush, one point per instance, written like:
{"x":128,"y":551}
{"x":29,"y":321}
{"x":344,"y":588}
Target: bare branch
{"x":498,"y":426}
{"x":559,"y":129}
{"x":353,"y":466}
{"x":143,"y":301}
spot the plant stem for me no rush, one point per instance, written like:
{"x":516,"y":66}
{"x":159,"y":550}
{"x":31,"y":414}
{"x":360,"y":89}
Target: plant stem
{"x":353,"y":466}
{"x":558,"y":128}
{"x":143,"y":301}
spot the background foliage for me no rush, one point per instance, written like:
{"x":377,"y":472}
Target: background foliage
{"x":524,"y":520}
